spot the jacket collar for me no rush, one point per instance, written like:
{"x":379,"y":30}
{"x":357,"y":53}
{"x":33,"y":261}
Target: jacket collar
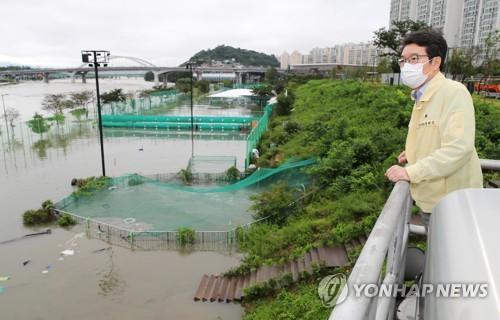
{"x":431,"y":87}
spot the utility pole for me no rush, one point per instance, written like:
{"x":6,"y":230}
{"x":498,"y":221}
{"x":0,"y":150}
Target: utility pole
{"x":189,"y":65}
{"x":103,"y":59}
{"x":5,"y":115}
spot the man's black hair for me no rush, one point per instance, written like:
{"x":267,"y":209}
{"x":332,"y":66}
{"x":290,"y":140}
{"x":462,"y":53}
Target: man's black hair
{"x":433,"y":41}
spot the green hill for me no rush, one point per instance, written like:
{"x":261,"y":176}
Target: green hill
{"x":243,"y":56}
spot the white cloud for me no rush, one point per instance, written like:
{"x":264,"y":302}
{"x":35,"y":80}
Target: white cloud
{"x":52,"y":32}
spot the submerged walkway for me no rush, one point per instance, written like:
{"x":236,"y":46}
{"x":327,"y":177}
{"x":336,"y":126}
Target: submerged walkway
{"x":221,"y":288}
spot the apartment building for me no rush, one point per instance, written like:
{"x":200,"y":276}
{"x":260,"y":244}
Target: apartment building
{"x":464,"y":23}
{"x":347,"y":54}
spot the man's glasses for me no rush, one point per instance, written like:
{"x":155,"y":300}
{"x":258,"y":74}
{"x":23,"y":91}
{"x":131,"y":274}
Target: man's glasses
{"x":413,"y":59}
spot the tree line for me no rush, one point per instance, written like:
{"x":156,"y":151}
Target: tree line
{"x":462,"y":62}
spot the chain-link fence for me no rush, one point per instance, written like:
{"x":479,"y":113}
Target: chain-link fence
{"x":157,"y":240}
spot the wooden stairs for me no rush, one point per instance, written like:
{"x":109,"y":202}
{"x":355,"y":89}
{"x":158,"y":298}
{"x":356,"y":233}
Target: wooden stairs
{"x":220,"y":288}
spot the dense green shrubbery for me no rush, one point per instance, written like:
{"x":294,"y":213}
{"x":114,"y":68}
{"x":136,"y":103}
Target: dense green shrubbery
{"x":87,"y":186}
{"x":44,"y":216}
{"x":355,"y":130}
{"x":186,"y":236}
{"x":186,"y":176}
{"x":276,"y":205}
{"x":285,"y":103}
{"x":233,"y":174}
{"x":66,"y":221}
{"x":40,"y":216}
{"x":487,"y":128}
{"x":135,"y":180}
{"x":301,"y":303}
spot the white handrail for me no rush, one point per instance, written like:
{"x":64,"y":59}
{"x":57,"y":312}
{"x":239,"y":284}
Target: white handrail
{"x":388,"y":238}
{"x":489,"y":164}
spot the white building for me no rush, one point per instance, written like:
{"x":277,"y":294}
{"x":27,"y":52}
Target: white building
{"x":284,"y":60}
{"x":351,"y":53}
{"x":464,"y":23}
{"x":443,"y":15}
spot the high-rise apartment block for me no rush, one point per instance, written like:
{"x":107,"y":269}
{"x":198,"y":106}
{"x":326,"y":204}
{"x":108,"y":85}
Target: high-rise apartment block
{"x":347,"y":54}
{"x":464,"y":23}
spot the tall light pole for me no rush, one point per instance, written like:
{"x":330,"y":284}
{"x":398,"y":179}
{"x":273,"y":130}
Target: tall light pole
{"x":5,"y":115}
{"x":189,"y":65}
{"x":100,"y":57}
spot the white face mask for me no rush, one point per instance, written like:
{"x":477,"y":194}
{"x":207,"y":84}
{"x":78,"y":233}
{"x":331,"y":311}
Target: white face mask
{"x":413,"y":75}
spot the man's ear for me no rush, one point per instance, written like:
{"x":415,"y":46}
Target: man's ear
{"x":436,"y":63}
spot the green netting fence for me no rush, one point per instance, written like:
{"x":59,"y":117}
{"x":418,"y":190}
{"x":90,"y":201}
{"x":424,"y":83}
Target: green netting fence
{"x":134,"y":187}
{"x":178,"y":122}
{"x":137,"y":105}
{"x":246,"y":85}
{"x":210,"y":164}
{"x":257,"y":132}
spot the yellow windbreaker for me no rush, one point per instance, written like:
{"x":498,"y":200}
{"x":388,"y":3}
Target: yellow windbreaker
{"x":440,"y":143}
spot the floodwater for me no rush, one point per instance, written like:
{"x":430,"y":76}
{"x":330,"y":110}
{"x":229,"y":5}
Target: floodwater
{"x":115,"y":283}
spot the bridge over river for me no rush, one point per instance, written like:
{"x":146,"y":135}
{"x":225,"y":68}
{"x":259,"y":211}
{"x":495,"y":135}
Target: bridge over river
{"x":240,"y":73}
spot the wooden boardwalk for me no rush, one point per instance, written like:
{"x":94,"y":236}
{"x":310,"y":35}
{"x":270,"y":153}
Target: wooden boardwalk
{"x":219,"y":288}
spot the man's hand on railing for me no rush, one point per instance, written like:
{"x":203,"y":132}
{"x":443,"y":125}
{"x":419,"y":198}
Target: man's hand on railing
{"x":402,"y":157}
{"x":397,"y":173}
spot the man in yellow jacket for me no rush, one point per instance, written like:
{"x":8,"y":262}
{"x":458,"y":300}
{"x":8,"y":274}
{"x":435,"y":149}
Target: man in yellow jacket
{"x":439,"y":152}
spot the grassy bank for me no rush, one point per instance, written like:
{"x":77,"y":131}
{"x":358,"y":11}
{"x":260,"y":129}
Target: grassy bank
{"x":355,"y":130}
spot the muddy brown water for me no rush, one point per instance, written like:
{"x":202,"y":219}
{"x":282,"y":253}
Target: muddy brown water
{"x":115,"y":283}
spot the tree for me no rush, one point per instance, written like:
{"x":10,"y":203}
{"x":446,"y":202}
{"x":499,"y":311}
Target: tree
{"x":115,"y":95}
{"x":490,"y":63}
{"x":245,"y":57}
{"x":276,"y":205}
{"x":461,"y":62}
{"x":390,"y":40}
{"x":82,"y":98}
{"x":384,"y":65}
{"x":183,"y":85}
{"x":56,"y":103}
{"x":146,"y":94}
{"x":271,"y":76}
{"x":39,"y":124}
{"x":285,"y":103}
{"x":11,"y":115}
{"x":262,"y":93}
{"x":203,"y":86}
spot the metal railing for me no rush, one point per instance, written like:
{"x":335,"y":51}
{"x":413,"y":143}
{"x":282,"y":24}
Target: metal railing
{"x":387,"y":243}
{"x":388,"y":239}
{"x":489,"y":164}
{"x":157,"y":240}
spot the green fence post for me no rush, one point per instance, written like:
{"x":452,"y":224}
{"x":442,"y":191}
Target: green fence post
{"x":131,"y":237}
{"x":87,"y":227}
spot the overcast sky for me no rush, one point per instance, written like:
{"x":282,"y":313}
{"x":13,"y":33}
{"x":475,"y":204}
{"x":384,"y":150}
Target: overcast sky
{"x":168,"y":32}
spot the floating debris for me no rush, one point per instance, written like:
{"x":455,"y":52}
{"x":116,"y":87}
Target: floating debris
{"x":48,"y":231}
{"x":26,"y":262}
{"x":5,"y":278}
{"x":68,"y":252}
{"x":129,"y":220}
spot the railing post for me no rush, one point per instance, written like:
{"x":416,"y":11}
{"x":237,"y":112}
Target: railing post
{"x":131,"y":237}
{"x":87,"y":226}
{"x":369,"y":264}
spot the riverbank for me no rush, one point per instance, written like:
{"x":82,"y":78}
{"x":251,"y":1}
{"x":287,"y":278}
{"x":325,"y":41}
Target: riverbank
{"x":355,"y":130}
{"x":94,"y":283}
